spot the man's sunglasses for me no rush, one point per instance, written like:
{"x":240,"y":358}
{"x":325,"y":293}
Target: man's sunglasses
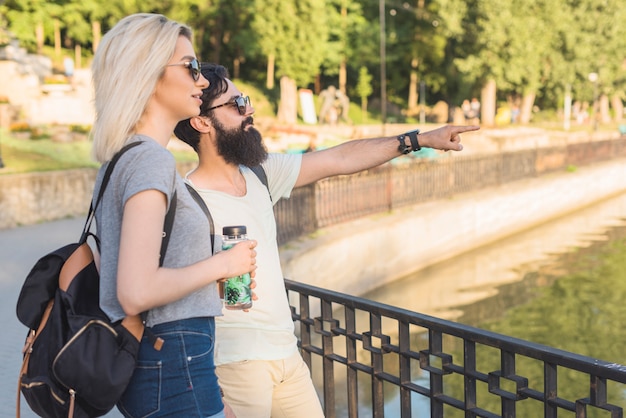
{"x":193,"y":66}
{"x":242,"y":103}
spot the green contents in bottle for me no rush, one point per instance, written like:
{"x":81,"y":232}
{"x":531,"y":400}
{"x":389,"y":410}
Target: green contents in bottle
{"x":235,"y":290}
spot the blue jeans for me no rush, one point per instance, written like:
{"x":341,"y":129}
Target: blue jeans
{"x":179,"y":380}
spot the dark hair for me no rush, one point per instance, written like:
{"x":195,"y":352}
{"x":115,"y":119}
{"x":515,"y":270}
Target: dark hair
{"x":217,"y":75}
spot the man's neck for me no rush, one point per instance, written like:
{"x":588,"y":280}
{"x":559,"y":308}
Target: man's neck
{"x":217,"y":174}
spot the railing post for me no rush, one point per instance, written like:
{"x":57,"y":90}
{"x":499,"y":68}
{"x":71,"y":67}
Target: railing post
{"x":404,"y":345}
{"x":351,"y":360}
{"x":327,"y":361}
{"x":435,"y":346}
{"x":469,"y":368}
{"x":508,"y":369}
{"x":376,"y":355}
{"x":549,"y":390}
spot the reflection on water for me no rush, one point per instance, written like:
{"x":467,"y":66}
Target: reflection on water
{"x":561,"y":284}
{"x":577,"y":302}
{"x":447,"y":289}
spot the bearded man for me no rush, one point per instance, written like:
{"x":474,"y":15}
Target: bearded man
{"x":259,"y":367}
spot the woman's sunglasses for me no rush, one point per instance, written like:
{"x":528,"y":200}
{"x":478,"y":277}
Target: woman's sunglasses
{"x":193,"y":66}
{"x":242,"y":103}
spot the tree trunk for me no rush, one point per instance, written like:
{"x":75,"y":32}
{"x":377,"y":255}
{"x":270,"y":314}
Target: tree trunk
{"x":236,"y":68}
{"x":269,"y":83}
{"x":488,"y":103}
{"x":57,"y":39}
{"x":288,"y":106}
{"x":413,"y":86}
{"x":526,"y":109}
{"x":618,"y":107}
{"x":78,"y":56}
{"x":198,"y":36}
{"x":363,"y":109}
{"x":96,"y":32}
{"x":605,"y":116}
{"x":343,"y":76}
{"x":39,"y":36}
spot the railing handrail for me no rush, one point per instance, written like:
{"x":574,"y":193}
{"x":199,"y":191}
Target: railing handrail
{"x":318,"y":309}
{"x":613,"y":371}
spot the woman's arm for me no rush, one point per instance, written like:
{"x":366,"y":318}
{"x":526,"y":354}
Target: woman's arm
{"x":141,"y":283}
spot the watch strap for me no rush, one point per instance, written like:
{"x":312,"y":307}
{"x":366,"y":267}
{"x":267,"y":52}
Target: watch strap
{"x":403,"y":148}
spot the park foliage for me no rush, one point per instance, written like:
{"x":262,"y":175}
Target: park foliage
{"x":532,"y":51}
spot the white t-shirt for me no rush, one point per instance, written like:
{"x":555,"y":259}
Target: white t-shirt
{"x":266,"y":332}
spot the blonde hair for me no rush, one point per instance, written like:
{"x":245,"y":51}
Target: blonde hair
{"x":128,"y":63}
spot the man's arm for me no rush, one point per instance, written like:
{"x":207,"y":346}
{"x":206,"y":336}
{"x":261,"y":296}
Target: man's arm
{"x":361,"y":154}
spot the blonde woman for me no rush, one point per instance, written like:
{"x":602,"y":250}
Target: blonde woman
{"x":147,"y":78}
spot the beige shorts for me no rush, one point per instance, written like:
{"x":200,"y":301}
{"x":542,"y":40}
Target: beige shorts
{"x":264,"y":389}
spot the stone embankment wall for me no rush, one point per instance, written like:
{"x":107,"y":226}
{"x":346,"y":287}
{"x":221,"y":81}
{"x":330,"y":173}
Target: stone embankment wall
{"x":39,"y":197}
{"x":26,"y":199}
{"x":359,"y":256}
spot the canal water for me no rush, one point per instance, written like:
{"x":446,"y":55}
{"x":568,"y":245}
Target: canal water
{"x":561,"y":284}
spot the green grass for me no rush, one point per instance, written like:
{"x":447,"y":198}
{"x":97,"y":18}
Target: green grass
{"x":31,"y":155}
{"x":28,"y":155}
{"x":45,"y":154}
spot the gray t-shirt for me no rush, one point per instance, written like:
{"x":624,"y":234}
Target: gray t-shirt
{"x":149,"y":166}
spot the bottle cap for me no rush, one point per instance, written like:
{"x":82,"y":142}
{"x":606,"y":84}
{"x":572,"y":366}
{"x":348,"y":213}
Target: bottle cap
{"x":234,"y":230}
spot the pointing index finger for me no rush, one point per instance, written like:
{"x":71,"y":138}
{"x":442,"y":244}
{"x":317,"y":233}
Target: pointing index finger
{"x":460,"y":129}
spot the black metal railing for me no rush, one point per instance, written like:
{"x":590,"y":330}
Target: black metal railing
{"x":408,"y":181}
{"x":374,"y":360}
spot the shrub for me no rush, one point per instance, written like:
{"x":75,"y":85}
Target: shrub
{"x":19,"y":127}
{"x":38,"y":133}
{"x":80,"y":129}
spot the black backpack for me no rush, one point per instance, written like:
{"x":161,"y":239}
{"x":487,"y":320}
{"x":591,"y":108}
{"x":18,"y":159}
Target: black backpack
{"x":76,"y":362}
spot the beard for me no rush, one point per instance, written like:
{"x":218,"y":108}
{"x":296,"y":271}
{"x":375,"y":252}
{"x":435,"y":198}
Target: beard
{"x":239,"y":145}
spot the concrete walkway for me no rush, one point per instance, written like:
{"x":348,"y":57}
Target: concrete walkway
{"x":20,"y":248}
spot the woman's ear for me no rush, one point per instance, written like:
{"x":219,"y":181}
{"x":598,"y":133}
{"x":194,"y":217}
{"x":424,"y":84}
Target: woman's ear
{"x":201,"y":124}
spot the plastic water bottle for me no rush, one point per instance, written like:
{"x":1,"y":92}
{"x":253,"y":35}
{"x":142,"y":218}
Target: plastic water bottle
{"x":235,"y":291}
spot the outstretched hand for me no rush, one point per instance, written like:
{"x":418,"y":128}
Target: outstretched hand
{"x":446,"y":138}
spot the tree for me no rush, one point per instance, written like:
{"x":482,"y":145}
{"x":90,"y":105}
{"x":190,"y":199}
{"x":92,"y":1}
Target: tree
{"x":425,"y":28}
{"x":533,"y":51}
{"x":288,"y":38}
{"x":346,"y":25}
{"x":32,"y":22}
{"x":364,"y":89}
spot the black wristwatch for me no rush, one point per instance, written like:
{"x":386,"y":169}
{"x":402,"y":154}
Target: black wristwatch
{"x":415,"y":146}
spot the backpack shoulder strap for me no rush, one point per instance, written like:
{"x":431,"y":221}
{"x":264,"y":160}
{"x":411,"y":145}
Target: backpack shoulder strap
{"x":105,"y":181}
{"x":262,"y":175}
{"x":167,"y":226}
{"x":257,"y":170}
{"x":206,"y":211}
